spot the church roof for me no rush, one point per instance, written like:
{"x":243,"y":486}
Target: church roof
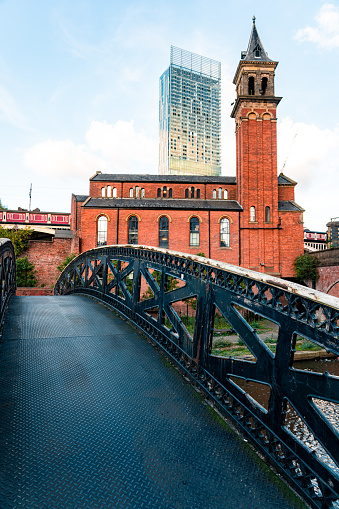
{"x":184,"y":179}
{"x":289,"y":206}
{"x":151,"y":203}
{"x":255,"y":51}
{"x":80,"y":197}
{"x":285,"y":181}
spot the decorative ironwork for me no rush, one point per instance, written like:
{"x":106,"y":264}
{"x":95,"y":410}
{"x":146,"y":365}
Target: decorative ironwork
{"x":7,"y":278}
{"x":114,"y":275}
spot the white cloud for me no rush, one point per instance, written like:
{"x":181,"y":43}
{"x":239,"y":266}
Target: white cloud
{"x":326,"y":33}
{"x":127,"y":150}
{"x":62,"y":159}
{"x":312,"y":161}
{"x":109,"y":148}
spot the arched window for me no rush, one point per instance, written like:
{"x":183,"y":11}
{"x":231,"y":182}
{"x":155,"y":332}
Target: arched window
{"x":198,"y":193}
{"x":142,"y":193}
{"x":252,"y":214}
{"x":225,"y":232}
{"x":137,"y":191}
{"x":220,"y":193}
{"x":164,"y":192}
{"x":159,"y":193}
{"x":214,"y":194}
{"x":225,"y":194}
{"x":194,"y":231}
{"x":187,"y":193}
{"x":103,"y":192}
{"x":170,"y":193}
{"x":251,"y":85}
{"x":267,"y":215}
{"x":131,"y":192}
{"x":133,"y":230}
{"x":102,"y":231}
{"x":114,"y":192}
{"x":109,"y":191}
{"x":163,"y":232}
{"x":263,"y":86}
{"x":192,"y":192}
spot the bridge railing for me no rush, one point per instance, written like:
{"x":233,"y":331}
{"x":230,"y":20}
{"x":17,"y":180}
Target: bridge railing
{"x":148,"y":286}
{"x":7,"y":278}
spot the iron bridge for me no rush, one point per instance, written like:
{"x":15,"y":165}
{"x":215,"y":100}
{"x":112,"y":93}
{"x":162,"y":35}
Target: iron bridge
{"x":117,"y":276}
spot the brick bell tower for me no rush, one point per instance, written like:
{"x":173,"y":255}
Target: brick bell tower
{"x":256,"y":143}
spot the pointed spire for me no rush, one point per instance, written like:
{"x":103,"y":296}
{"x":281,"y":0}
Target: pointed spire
{"x":255,"y":50}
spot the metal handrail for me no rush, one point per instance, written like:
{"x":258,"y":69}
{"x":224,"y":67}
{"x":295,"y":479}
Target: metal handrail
{"x":113,"y":275}
{"x":7,"y":278}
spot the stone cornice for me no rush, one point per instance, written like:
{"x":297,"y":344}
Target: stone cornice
{"x":257,"y":99}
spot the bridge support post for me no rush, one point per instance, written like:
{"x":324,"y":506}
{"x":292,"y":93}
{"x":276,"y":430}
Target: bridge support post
{"x":203,"y":326}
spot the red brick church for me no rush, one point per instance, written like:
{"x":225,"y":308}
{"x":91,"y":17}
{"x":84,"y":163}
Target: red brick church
{"x":249,"y":220}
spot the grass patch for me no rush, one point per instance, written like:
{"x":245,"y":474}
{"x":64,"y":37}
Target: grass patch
{"x":305,"y":345}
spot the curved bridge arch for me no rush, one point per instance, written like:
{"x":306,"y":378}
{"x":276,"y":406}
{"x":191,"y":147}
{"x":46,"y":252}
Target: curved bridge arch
{"x":113,"y":275}
{"x":332,"y":285}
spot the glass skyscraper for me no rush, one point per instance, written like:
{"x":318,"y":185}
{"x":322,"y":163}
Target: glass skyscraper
{"x":190,"y":116}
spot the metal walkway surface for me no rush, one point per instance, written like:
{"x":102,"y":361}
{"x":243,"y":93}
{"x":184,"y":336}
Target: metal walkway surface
{"x":93,"y":417}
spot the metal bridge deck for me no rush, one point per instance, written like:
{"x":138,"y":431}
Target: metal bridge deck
{"x":92,"y":417}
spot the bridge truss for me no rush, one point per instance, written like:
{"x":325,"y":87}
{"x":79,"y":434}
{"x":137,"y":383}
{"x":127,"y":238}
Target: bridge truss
{"x":116,"y":275}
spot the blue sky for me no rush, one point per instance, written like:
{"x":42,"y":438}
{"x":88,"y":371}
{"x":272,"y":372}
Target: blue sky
{"x":79,"y":90}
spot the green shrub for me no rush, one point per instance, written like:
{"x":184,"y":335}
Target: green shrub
{"x":25,"y":273}
{"x":19,"y":238}
{"x":64,"y":264}
{"x":306,"y":268}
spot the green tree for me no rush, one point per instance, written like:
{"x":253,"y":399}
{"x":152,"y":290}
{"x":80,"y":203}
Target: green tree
{"x":64,"y":264}
{"x":170,"y":284}
{"x":2,"y":207}
{"x":25,"y":273}
{"x":19,"y":237}
{"x":306,"y":268}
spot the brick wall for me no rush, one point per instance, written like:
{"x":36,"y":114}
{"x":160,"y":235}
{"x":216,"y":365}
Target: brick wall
{"x":286,"y":193}
{"x":291,"y":241}
{"x":258,"y":187}
{"x":328,"y":271}
{"x":329,"y":280}
{"x":179,"y":233}
{"x":46,"y":256}
{"x":29,"y":292}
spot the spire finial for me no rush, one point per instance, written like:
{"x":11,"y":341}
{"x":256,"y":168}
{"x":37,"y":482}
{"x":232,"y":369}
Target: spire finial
{"x":253,"y":20}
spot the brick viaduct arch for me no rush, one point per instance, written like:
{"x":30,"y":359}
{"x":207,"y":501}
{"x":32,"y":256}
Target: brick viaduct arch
{"x":328,"y":271}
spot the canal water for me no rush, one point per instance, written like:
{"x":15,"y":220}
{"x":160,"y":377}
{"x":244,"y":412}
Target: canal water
{"x":319,"y":366}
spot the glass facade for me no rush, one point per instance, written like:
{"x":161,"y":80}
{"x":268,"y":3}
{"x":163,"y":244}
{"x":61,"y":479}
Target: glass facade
{"x":190,"y":116}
